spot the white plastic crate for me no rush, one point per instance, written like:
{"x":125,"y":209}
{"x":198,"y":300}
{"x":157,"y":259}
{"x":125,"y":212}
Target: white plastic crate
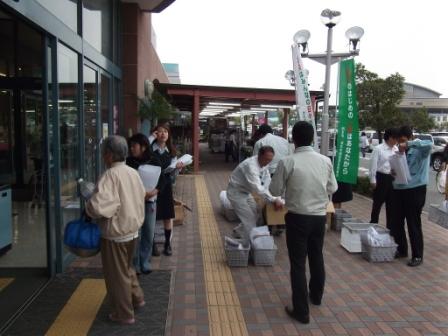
{"x":351,"y":235}
{"x":338,"y":218}
{"x":377,"y":253}
{"x":264,"y":257}
{"x":237,"y":257}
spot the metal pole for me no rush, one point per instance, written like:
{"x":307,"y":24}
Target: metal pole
{"x":325,"y":118}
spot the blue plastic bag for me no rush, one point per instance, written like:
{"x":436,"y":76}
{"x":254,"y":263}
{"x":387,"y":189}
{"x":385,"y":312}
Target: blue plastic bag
{"x":82,"y":234}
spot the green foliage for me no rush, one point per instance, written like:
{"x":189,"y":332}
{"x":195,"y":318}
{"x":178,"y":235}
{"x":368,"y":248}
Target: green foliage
{"x":156,"y":107}
{"x":421,"y":121}
{"x":363,"y":187}
{"x":378,"y":99}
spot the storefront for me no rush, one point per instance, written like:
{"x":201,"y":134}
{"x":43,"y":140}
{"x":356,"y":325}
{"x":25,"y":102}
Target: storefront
{"x":59,"y":96}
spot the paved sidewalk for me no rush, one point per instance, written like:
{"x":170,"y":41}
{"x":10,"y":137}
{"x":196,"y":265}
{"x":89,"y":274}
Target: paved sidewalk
{"x":360,"y":298}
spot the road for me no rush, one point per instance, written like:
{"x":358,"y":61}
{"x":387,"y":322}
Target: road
{"x":432,"y":195}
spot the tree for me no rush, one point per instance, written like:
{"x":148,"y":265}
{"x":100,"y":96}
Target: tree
{"x":378,"y":99}
{"x":421,"y":121}
{"x":155,"y":107}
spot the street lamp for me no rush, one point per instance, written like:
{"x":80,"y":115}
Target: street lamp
{"x":329,"y":18}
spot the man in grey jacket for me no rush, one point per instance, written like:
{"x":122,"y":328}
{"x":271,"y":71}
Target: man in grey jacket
{"x":307,"y":179}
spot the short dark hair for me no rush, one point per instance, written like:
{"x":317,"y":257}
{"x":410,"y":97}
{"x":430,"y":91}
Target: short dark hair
{"x":405,"y":131}
{"x":391,"y":133}
{"x":265,"y":149}
{"x":265,"y":129}
{"x":302,"y":133}
{"x":140,"y":139}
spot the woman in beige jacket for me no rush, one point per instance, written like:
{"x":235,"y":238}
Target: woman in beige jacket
{"x":118,"y":207}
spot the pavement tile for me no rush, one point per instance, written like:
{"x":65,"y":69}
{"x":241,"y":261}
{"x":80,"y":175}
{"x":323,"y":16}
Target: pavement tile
{"x":360,"y":298}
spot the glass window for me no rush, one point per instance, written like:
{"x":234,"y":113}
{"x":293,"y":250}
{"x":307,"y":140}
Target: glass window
{"x":68,"y":129}
{"x":97,"y":25}
{"x":116,"y":107}
{"x":29,"y":52}
{"x":64,"y":10}
{"x":90,"y":123}
{"x":7,"y":55}
{"x":105,"y":105}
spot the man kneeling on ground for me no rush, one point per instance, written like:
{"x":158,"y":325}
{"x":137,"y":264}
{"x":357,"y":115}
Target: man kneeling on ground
{"x":251,"y":176}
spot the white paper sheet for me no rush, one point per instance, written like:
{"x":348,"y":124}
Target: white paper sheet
{"x":186,"y":159}
{"x":400,"y":167}
{"x":150,"y":176}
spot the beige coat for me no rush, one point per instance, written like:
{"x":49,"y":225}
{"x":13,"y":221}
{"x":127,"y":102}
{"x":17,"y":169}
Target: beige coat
{"x":118,"y":204}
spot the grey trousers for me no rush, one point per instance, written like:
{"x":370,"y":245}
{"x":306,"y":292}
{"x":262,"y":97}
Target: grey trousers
{"x":246,"y":209}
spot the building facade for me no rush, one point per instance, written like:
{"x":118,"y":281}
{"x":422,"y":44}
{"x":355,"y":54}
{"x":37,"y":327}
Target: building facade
{"x":418,"y":97}
{"x":70,"y":74}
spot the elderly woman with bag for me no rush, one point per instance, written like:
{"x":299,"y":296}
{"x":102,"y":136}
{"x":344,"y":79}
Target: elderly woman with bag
{"x":118,"y":208}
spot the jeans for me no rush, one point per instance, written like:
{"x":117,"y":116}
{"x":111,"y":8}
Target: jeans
{"x":143,"y":253}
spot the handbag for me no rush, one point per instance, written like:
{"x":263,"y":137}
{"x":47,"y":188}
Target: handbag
{"x":82,"y":237}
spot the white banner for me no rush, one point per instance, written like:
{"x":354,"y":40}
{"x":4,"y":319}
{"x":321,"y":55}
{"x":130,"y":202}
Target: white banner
{"x":303,"y":97}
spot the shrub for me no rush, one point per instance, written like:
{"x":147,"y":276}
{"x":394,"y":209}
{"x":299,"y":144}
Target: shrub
{"x":363,"y":187}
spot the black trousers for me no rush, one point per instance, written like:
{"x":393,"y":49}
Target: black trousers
{"x":305,"y":238}
{"x":408,"y":205}
{"x":382,"y":194}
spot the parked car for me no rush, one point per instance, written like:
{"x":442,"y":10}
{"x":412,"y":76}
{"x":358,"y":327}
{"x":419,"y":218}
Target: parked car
{"x":437,"y":154}
{"x":436,"y":151}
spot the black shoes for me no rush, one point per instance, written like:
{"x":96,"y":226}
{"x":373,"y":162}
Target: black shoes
{"x":305,"y":319}
{"x":415,"y":262}
{"x":315,"y":301}
{"x":167,"y":251}
{"x":155,"y":251}
{"x":400,"y":255}
{"x":147,"y":272}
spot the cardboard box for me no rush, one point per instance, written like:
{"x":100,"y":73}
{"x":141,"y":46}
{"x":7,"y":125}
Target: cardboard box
{"x":274,"y":217}
{"x":179,"y":212}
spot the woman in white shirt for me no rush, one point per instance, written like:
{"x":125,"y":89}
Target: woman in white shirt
{"x":380,"y":176}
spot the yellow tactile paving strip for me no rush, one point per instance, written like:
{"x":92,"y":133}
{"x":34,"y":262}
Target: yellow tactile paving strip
{"x":4,"y":282}
{"x":80,"y":311}
{"x":224,"y":310}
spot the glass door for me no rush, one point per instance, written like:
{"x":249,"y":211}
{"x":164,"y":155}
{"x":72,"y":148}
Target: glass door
{"x":91,"y":143}
{"x":67,"y":142}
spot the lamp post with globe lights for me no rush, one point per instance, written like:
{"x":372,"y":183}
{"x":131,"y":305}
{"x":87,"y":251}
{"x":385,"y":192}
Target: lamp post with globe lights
{"x":329,"y":18}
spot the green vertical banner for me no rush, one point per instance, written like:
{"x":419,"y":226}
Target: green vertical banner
{"x":347,"y":155}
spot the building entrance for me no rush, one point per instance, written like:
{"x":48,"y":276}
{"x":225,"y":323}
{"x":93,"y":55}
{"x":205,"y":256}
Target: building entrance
{"x":23,"y":219}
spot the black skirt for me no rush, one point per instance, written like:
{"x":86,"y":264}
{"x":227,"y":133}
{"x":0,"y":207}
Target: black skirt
{"x":343,"y":194}
{"x":165,"y":202}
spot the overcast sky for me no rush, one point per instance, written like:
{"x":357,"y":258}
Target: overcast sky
{"x":247,"y":43}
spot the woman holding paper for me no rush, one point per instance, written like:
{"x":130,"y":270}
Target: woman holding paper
{"x":164,"y":150}
{"x":142,"y":155}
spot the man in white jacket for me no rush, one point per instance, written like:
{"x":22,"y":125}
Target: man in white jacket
{"x":118,"y":208}
{"x":251,"y":176}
